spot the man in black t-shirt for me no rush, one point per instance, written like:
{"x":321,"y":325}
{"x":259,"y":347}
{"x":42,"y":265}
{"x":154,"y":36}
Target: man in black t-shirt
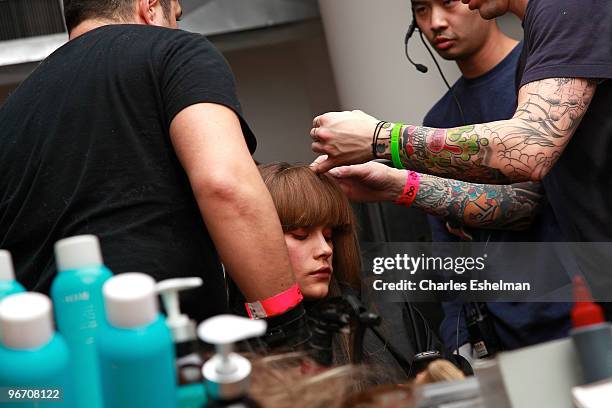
{"x":132,"y":131}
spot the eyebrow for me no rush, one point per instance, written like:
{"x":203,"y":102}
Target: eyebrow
{"x":420,"y":2}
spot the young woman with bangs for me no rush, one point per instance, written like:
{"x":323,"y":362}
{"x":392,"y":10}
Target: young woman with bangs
{"x":320,"y":232}
{"x":319,"y":228}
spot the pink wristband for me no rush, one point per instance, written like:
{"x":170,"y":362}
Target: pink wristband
{"x":410,"y":189}
{"x":276,"y":304}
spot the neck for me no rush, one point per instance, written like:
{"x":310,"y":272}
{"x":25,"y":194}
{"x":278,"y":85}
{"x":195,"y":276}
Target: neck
{"x":86,"y":26}
{"x":494,"y":50}
{"x":93,"y":23}
{"x":518,"y":7}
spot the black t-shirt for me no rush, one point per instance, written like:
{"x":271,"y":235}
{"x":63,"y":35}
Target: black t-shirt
{"x":85,"y":149}
{"x":573,"y":39}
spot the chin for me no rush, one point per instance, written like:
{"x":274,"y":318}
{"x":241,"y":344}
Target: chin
{"x":315,"y":291}
{"x":447,"y":56}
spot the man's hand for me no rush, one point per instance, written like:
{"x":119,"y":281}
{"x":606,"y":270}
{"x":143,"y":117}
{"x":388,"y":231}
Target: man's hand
{"x":370,"y":182}
{"x":345,"y":137}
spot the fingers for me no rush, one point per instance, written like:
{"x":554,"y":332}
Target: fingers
{"x":342,"y":172}
{"x":314,"y":134}
{"x":318,"y":160}
{"x":323,"y":163}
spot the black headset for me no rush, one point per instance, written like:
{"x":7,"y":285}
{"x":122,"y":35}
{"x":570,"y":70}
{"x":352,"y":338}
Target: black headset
{"x":422,"y":68}
{"x":413,"y":26}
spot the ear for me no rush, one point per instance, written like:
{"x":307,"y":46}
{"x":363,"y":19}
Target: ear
{"x":147,"y":11}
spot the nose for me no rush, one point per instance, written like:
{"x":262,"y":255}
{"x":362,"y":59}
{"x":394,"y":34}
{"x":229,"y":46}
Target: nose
{"x":323,"y":247}
{"x":438,"y":19}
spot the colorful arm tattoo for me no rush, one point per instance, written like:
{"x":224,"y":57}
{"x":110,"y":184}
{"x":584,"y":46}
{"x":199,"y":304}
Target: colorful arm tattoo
{"x":523,"y":148}
{"x":480,"y":205}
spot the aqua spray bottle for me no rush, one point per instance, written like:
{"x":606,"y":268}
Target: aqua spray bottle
{"x":77,"y":297}
{"x":34,"y":359}
{"x":135,"y":349}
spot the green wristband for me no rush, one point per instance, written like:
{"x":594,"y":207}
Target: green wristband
{"x":395,"y":154}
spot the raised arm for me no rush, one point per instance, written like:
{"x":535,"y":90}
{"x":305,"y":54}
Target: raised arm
{"x":523,"y":148}
{"x":472,"y":205}
{"x":234,"y":202}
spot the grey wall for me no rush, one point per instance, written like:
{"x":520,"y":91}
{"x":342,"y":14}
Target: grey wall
{"x":365,"y":40}
{"x":282,"y":87}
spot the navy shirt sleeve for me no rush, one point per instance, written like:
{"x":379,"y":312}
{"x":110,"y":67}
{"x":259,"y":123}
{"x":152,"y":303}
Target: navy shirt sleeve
{"x":567,"y":39}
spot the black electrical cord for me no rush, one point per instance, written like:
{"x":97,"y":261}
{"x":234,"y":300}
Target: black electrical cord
{"x":450,"y":89}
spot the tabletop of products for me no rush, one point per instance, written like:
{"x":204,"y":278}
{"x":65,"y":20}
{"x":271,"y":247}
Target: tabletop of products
{"x":113,"y":348}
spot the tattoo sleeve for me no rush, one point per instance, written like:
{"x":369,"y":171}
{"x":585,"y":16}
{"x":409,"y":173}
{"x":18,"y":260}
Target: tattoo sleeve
{"x":522,"y":148}
{"x":480,"y":205}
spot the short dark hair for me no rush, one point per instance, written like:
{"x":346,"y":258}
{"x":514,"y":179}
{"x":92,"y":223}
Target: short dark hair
{"x":76,"y":11}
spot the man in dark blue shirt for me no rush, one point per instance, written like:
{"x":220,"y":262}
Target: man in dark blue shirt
{"x":485,"y":92}
{"x":559,"y":135}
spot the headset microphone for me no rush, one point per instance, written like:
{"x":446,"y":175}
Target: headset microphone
{"x":420,"y":67}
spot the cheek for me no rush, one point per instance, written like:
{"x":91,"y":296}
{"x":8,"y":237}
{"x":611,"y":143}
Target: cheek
{"x":425,"y":29}
{"x":296,"y":256}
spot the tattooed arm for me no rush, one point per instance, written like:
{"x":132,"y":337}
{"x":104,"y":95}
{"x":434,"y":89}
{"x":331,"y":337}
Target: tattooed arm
{"x":473,"y":205}
{"x":486,"y":206}
{"x":522,"y":148}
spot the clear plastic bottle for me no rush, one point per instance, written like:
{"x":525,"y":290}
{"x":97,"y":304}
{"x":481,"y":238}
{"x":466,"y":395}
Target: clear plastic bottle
{"x":227,"y":375}
{"x":189,"y":363}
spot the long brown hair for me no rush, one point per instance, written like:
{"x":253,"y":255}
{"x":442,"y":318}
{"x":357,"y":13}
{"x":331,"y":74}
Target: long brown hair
{"x":306,"y":199}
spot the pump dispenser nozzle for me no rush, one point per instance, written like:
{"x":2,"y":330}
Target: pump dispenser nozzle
{"x":182,"y":328}
{"x":227,"y":374}
{"x":7,"y":273}
{"x":8,"y":284}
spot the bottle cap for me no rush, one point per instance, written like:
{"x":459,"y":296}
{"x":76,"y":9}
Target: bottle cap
{"x":81,"y":251}
{"x":227,"y":374}
{"x":183,"y":329}
{"x":585,"y":312}
{"x":26,"y":321}
{"x":130,"y":300}
{"x":7,"y":273}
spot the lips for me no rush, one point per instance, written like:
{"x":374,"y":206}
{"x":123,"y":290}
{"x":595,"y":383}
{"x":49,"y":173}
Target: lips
{"x":323,"y":272}
{"x":443,"y":43}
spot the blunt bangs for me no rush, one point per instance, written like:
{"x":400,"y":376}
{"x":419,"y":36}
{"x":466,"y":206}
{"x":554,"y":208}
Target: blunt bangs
{"x":304,"y":198}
